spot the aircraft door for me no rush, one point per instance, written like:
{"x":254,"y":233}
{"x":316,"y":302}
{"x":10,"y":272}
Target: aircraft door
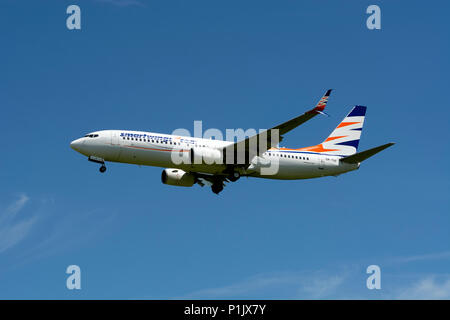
{"x":114,"y":139}
{"x":321,"y":162}
{"x":115,"y":144}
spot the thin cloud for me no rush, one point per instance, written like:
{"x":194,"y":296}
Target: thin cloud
{"x":428,"y":288}
{"x":12,"y":234}
{"x":322,"y":287}
{"x":424,"y":257}
{"x":13,"y":230}
{"x":57,"y":232}
{"x":14,"y":208}
{"x":287,"y":285}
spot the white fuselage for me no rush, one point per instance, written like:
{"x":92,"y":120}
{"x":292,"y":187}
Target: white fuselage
{"x":155,"y":149}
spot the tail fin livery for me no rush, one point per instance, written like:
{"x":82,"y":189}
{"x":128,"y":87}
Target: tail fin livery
{"x":344,"y":139}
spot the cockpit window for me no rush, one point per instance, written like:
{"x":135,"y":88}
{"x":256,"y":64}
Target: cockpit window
{"x":91,"y":136}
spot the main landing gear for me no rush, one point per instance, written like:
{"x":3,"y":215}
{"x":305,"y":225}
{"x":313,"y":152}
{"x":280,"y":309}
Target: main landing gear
{"x":217,"y":187}
{"x":218,"y":182}
{"x":98,"y":160}
{"x":234,"y":176}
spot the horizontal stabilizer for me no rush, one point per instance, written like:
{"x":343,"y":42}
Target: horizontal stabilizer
{"x":361,"y":156}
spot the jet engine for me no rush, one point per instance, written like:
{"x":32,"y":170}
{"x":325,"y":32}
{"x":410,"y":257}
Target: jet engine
{"x":177,"y":177}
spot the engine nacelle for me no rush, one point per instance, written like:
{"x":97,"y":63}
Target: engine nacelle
{"x":177,"y":177}
{"x":206,"y":156}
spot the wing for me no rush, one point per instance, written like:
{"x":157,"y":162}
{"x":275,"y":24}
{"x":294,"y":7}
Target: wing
{"x":243,"y":151}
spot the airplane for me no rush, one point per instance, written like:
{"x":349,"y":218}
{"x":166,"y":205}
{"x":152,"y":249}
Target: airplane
{"x":227,"y":161}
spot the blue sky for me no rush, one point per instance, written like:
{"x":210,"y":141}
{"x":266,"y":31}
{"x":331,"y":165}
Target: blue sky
{"x":160,"y":65}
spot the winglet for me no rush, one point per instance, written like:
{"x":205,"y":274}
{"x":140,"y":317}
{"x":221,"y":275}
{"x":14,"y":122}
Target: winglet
{"x":323,"y":102}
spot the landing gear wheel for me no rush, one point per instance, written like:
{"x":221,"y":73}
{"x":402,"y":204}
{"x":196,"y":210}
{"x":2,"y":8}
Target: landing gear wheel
{"x":102,"y":169}
{"x":234,"y":176}
{"x":216,"y":188}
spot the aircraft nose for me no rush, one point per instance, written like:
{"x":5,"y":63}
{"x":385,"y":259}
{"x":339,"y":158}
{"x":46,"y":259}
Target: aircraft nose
{"x":76,"y":144}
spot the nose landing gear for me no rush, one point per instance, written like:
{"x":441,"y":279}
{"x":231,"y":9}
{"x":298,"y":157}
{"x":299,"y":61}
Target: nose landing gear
{"x":98,"y":160}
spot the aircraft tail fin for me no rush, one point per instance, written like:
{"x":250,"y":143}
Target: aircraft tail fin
{"x":361,"y":156}
{"x":344,"y":140}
